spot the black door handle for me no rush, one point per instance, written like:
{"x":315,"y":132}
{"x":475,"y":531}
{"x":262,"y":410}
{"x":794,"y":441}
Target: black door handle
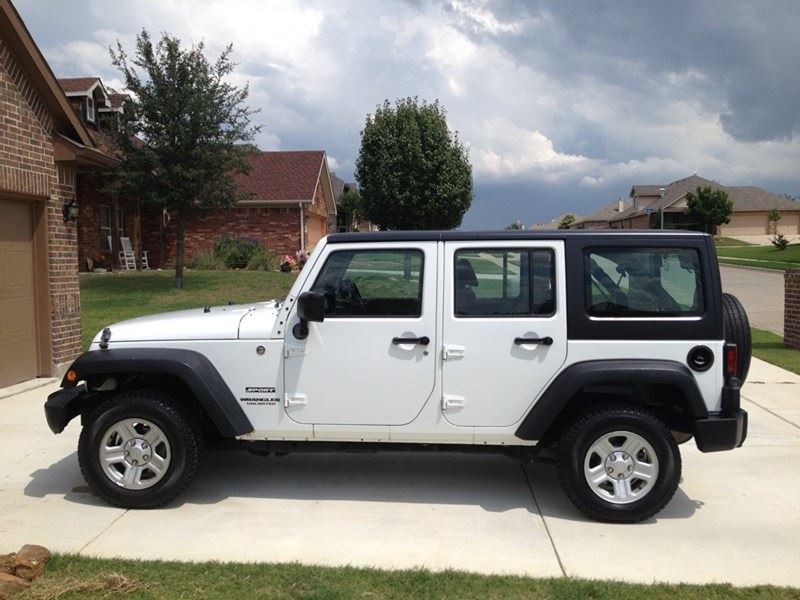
{"x":545,"y":341}
{"x":422,"y":341}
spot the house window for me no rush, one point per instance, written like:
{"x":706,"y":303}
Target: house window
{"x":106,"y":225}
{"x":90,"y":109}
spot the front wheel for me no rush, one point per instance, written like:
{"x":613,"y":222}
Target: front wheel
{"x":619,"y":463}
{"x":138,"y":450}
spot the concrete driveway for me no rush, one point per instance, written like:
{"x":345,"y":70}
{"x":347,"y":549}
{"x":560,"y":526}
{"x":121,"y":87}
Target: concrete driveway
{"x":760,"y":292}
{"x":733,"y":519}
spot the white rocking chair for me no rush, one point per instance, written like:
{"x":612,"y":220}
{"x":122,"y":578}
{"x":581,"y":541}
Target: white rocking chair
{"x":127,"y":257}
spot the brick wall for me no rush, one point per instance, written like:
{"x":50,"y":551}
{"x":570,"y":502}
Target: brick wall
{"x":791,"y":308}
{"x":27,"y":166}
{"x":276,"y":228}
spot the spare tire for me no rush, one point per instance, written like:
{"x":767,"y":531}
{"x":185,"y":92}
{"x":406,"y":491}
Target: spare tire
{"x":737,"y":331}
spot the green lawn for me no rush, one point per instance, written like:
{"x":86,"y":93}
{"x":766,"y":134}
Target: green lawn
{"x":724,"y":242}
{"x":72,"y":577}
{"x":769,"y":346}
{"x":110,"y":297}
{"x":767,"y":257}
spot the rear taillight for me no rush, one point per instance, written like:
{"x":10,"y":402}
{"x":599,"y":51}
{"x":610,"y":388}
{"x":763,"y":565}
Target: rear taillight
{"x":731,"y":360}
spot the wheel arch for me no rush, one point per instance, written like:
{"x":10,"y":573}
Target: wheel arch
{"x":167,"y":369}
{"x":667,"y":388}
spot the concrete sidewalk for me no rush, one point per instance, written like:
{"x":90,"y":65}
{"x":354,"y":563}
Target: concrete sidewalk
{"x":734,"y":518}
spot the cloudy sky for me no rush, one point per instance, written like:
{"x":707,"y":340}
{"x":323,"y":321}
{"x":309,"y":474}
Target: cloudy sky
{"x":563,"y":105}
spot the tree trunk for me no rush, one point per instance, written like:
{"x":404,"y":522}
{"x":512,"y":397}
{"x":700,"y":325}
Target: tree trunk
{"x":162,"y":239}
{"x":179,"y":249}
{"x":115,"y":241}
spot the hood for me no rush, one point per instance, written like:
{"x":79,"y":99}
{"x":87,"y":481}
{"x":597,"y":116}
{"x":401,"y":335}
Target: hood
{"x":213,"y":323}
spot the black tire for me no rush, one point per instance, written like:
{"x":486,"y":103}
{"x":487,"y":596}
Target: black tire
{"x":737,"y":331}
{"x":177,"y":425}
{"x":574,"y":445}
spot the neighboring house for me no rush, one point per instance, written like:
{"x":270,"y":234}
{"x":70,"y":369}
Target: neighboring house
{"x":102,"y":216}
{"x":750,"y":208}
{"x":338,"y":224}
{"x":290,"y":206}
{"x":600,"y":218}
{"x":44,"y":147}
{"x":553,"y":223}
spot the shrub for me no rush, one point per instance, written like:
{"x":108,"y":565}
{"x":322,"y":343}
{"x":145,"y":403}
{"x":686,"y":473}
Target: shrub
{"x":780,"y":241}
{"x":262,"y":261}
{"x":207,"y":261}
{"x":235,"y":251}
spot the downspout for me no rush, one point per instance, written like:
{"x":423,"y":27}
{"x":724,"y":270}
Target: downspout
{"x":302,"y":228}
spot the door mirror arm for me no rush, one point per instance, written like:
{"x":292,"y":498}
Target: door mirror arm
{"x":310,"y":307}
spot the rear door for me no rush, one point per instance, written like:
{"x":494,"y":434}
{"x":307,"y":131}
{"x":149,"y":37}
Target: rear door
{"x":505,"y":329}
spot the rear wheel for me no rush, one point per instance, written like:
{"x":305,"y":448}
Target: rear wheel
{"x":618,"y":463}
{"x":138,"y":450}
{"x":737,"y":331}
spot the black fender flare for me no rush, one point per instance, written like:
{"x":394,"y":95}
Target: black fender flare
{"x":608,"y":373}
{"x":189,"y":366}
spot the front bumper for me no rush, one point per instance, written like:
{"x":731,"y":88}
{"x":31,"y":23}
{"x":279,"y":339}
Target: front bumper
{"x":64,"y":405}
{"x":726,"y":429}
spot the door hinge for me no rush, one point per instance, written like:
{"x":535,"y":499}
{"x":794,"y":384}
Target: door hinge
{"x":295,"y":400}
{"x":451,"y":351}
{"x":452,"y":401}
{"x":294,"y":351}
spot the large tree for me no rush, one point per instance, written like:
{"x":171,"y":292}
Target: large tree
{"x":185,"y":142}
{"x":412,"y":171}
{"x":709,"y":207}
{"x":351,"y":209}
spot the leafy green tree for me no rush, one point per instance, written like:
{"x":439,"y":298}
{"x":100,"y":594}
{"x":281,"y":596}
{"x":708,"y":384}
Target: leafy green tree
{"x":515,"y":226}
{"x":709,"y":207}
{"x":351,"y":209}
{"x":183,"y":145}
{"x":413,"y":172}
{"x":773,"y":215}
{"x":566,"y":221}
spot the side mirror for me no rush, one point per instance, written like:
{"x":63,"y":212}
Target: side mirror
{"x":310,"y":307}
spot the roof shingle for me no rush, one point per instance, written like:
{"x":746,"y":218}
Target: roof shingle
{"x":279,"y":177}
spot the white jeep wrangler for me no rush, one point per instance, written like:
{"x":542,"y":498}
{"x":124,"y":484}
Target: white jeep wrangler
{"x":600,"y":350}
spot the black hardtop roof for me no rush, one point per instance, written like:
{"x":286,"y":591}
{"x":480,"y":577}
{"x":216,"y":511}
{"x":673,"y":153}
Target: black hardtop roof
{"x":506,"y":235}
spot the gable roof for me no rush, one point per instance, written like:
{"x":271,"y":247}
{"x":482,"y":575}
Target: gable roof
{"x":74,"y":85}
{"x":287,"y":178}
{"x":605,"y":213}
{"x":39,"y":75}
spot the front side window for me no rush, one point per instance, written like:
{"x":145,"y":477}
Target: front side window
{"x":90,"y":109}
{"x":643,"y":282}
{"x":372,"y":283}
{"x":515,"y":282}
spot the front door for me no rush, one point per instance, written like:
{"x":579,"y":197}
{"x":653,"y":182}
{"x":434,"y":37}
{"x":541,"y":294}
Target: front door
{"x":505,"y":329}
{"x":372,"y":360}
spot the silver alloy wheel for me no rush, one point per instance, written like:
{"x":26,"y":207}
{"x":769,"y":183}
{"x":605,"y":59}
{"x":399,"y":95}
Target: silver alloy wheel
{"x":134,"y":454}
{"x":621,"y":467}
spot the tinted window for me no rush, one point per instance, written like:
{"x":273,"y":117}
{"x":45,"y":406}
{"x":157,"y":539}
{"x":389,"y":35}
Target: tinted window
{"x":641,"y":282}
{"x":504,"y":282}
{"x":372,"y":283}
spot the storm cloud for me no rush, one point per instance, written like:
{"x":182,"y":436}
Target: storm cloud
{"x":563,"y":105}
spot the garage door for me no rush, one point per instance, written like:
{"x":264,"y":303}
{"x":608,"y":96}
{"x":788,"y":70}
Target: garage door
{"x":789,"y":224}
{"x":17,"y":324}
{"x":746,"y":224}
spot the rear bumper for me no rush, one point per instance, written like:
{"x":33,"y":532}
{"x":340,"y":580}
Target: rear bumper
{"x":64,"y":405}
{"x":726,"y":429}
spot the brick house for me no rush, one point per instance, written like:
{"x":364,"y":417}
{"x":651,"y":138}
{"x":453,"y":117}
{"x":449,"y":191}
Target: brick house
{"x":43,"y":148}
{"x":289,"y":209}
{"x":751,"y":206}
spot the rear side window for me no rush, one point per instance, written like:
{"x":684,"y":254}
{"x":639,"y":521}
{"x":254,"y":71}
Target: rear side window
{"x":518,"y":282}
{"x":643,"y":282}
{"x":372,"y":283}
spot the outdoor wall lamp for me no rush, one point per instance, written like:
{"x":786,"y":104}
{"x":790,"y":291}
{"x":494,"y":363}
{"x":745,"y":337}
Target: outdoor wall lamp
{"x":70,"y":212}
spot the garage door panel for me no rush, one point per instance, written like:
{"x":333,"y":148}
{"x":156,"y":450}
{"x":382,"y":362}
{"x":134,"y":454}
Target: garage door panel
{"x":746,"y":224}
{"x":17,"y":297}
{"x":789,"y":224}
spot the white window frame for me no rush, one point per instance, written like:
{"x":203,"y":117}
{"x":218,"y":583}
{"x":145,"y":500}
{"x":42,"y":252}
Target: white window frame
{"x":90,"y":109}
{"x":106,"y":231}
